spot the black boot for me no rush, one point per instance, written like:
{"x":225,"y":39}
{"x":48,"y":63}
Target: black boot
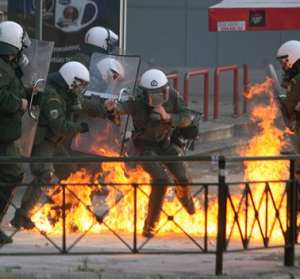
{"x":22,"y":215}
{"x":4,"y":238}
{"x":155,"y":204}
{"x":183,"y":194}
{"x":20,"y":220}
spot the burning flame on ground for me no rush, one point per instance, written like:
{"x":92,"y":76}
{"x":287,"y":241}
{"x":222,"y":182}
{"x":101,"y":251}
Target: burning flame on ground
{"x":268,"y":141}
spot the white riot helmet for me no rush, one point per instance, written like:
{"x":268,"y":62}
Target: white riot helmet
{"x":76,"y":76}
{"x":155,"y":85}
{"x":288,"y":54}
{"x":12,"y":38}
{"x":101,"y":37}
{"x":110,"y":69}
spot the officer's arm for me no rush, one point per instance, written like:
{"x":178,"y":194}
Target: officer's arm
{"x":124,"y":107}
{"x":93,"y":106}
{"x":119,"y":108}
{"x":57,"y":120}
{"x":292,"y":99}
{"x":181,"y":117}
{"x":9,"y":102}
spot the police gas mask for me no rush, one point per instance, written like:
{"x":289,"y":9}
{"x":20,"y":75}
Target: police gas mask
{"x":112,"y":41}
{"x":157,"y":97}
{"x":78,"y":88}
{"x":22,"y":59}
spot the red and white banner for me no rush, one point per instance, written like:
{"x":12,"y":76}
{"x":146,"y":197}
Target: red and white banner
{"x":254,"y":15}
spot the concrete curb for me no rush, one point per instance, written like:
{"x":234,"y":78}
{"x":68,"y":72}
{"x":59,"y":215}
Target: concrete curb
{"x":295,"y":274}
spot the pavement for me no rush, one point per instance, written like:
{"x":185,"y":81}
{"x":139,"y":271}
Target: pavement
{"x":266,"y":264}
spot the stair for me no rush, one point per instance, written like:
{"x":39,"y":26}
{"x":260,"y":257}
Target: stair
{"x":224,"y":138}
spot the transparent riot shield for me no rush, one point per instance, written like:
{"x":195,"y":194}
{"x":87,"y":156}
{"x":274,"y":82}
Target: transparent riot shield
{"x":34,"y":79}
{"x":112,"y":77}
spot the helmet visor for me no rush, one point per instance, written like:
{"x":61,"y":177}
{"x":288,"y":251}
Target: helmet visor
{"x":79,"y":86}
{"x":26,"y":42}
{"x":112,"y":44}
{"x":284,"y":62}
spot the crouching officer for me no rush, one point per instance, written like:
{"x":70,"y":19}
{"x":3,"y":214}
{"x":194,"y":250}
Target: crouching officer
{"x":62,"y":91}
{"x":156,"y":112}
{"x":13,"y":104}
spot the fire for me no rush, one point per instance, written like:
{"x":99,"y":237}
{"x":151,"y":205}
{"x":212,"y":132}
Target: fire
{"x":268,"y":141}
{"x":81,"y":203}
{"x":84,"y":203}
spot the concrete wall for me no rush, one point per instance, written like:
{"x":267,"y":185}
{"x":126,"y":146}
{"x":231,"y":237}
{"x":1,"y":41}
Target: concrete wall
{"x":174,"y":33}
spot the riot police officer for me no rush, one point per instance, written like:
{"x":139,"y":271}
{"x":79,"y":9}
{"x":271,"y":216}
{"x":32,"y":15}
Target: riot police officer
{"x":13,"y":104}
{"x":156,"y":112}
{"x":97,"y":39}
{"x":62,"y":91}
{"x":288,"y":56}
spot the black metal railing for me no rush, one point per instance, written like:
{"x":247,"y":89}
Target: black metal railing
{"x":247,"y":213}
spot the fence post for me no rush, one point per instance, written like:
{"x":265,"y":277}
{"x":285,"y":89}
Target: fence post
{"x":135,"y":188}
{"x":245,"y":86}
{"x":175,"y":79}
{"x":193,"y":73}
{"x":64,"y":232}
{"x":289,"y":249}
{"x":236,"y":97}
{"x":216,"y":93}
{"x":222,"y":207}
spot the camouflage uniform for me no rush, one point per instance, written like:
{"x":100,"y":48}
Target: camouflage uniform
{"x":53,"y":128}
{"x":151,"y":137}
{"x":291,"y":101}
{"x":11,"y":93}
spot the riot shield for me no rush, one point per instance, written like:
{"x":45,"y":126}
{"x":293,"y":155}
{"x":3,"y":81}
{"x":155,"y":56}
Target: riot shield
{"x":278,"y":93}
{"x":34,"y":79}
{"x":112,"y":77}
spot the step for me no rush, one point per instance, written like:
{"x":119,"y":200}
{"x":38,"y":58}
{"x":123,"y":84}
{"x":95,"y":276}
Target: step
{"x":229,"y":146}
{"x":225,"y":128}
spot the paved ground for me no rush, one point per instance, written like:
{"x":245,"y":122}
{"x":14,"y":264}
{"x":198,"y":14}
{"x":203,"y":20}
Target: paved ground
{"x":258,"y":264}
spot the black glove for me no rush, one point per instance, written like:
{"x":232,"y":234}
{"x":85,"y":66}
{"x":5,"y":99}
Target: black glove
{"x":84,"y":127}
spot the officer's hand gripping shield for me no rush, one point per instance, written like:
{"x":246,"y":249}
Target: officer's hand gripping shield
{"x":112,"y":77}
{"x":34,"y":79}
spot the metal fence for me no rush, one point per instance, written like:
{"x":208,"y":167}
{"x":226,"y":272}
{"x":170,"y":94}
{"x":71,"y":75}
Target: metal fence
{"x":246,"y":210}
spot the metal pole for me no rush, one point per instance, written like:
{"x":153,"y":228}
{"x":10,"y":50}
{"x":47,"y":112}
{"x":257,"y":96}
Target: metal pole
{"x":289,"y":250}
{"x":38,"y":19}
{"x":236,"y":97}
{"x":206,"y":96}
{"x":64,"y":234}
{"x":135,"y":218}
{"x":222,"y":206}
{"x":123,"y":25}
{"x":216,"y":93}
{"x":206,"y":218}
{"x":186,"y":90}
{"x":246,"y":86}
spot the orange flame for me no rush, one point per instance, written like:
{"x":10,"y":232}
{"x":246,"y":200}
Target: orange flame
{"x":268,"y":141}
{"x":118,"y":196}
